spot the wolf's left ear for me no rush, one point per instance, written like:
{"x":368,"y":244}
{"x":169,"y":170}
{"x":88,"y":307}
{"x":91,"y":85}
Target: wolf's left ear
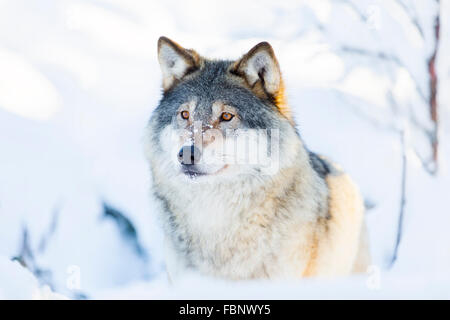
{"x":261,"y":72}
{"x":260,"y":68}
{"x":175,"y":61}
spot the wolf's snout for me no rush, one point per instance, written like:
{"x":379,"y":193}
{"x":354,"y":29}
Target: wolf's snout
{"x":189,"y":155}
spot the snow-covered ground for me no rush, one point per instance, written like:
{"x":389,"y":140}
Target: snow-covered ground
{"x":78,"y":82}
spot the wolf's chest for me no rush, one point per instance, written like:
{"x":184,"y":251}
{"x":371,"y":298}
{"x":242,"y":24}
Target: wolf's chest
{"x":235,"y":233}
{"x":223,"y":243}
{"x":241,"y":253}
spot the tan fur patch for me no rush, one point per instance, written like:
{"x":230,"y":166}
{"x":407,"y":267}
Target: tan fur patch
{"x":313,"y":253}
{"x":334,"y":246}
{"x":281,"y":103}
{"x":339,"y":246}
{"x":362,"y":260}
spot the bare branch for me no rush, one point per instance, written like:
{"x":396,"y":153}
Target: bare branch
{"x":412,"y":14}
{"x":402,"y":201}
{"x":355,"y":9}
{"x":433,"y":103}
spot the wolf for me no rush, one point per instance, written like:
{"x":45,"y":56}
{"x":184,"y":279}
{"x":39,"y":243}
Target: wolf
{"x":300,"y":216}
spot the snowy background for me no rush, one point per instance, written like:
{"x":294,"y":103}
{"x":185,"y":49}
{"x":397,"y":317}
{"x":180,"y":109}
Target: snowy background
{"x":78,"y":82}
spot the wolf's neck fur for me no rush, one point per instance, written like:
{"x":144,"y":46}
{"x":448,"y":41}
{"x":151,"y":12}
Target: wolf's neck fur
{"x":208,"y":223}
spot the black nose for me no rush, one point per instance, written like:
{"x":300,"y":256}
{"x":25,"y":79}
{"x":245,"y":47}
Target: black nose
{"x":189,"y":155}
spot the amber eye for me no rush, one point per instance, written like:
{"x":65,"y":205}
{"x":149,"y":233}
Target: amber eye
{"x":185,"y":114}
{"x":226,"y":116}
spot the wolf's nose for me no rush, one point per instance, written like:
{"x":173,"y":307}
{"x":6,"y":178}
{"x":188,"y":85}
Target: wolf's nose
{"x":189,"y":155}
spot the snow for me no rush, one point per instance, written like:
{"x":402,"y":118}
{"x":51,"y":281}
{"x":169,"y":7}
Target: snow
{"x":78,"y":83}
{"x":19,"y":283}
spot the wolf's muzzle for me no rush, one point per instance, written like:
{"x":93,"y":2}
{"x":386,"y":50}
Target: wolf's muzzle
{"x":189,"y":155}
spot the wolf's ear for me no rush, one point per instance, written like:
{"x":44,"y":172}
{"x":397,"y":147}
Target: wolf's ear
{"x":260,"y":68}
{"x":175,"y":61}
{"x":261,"y":72}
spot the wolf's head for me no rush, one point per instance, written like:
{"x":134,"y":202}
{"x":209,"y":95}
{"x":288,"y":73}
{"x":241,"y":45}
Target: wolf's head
{"x":219,"y":118}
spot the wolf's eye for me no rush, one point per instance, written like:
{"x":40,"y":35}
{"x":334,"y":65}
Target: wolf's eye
{"x":185,"y":114}
{"x":226,"y":116}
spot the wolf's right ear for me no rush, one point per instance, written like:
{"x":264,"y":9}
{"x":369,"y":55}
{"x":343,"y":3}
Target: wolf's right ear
{"x":175,"y":61}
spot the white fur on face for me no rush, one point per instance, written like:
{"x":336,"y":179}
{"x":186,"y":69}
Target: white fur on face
{"x":172,"y":140}
{"x":228,"y":151}
{"x":238,"y":152}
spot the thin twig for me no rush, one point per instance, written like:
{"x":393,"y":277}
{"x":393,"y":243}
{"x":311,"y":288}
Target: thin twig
{"x":402,"y":201}
{"x":412,"y":14}
{"x":434,"y":88}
